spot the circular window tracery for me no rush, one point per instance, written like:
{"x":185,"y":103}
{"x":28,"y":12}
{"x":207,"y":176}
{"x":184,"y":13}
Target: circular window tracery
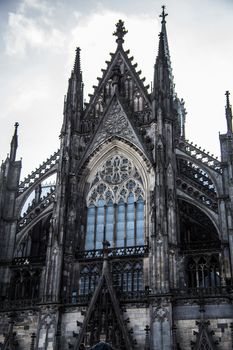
{"x":116,"y":169}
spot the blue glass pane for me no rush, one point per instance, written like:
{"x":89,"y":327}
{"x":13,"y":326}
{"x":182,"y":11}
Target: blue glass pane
{"x":120,"y":224}
{"x":90,"y":228}
{"x":140,"y":222}
{"x":100,"y":224}
{"x":109,"y":222}
{"x":130,"y":221}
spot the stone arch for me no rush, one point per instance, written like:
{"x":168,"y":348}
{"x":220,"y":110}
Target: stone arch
{"x":22,"y":235}
{"x":117,"y":146}
{"x":22,"y":198}
{"x":200,"y":245}
{"x":213,"y":217}
{"x":213,"y":176}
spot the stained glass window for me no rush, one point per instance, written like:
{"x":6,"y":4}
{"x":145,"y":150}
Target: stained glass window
{"x":115,"y":205}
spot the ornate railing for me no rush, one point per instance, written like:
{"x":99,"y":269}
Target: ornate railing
{"x":113,"y":252}
{"x":199,"y":154}
{"x":43,"y":169}
{"x":201,"y":246}
{"x":35,"y":210}
{"x":25,"y":261}
{"x":198,"y":177}
{"x":203,"y":291}
{"x":18,"y":304}
{"x":124,"y":297}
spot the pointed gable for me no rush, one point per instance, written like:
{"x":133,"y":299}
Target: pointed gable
{"x":120,"y":76}
{"x":104,"y":316}
{"x":115,"y":122}
{"x":204,"y":337}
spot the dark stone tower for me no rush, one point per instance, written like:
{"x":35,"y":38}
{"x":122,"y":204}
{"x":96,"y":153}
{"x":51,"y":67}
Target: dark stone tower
{"x":122,"y":239}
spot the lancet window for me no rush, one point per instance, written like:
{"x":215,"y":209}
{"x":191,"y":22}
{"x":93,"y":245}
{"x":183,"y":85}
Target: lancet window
{"x":128,"y":277}
{"x":138,"y":102}
{"x":128,"y":88}
{"x":115,"y":205}
{"x":25,"y":284}
{"x":203,"y":272}
{"x":89,"y":277}
{"x":99,"y":107}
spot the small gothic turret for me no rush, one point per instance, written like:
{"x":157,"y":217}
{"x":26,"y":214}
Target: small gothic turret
{"x":228,"y":113}
{"x":73,"y":105}
{"x":78,"y":79}
{"x":14,"y":144}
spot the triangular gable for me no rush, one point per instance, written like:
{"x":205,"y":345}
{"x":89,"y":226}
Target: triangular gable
{"x":104,"y":290}
{"x":204,"y":337}
{"x":115,"y":122}
{"x":127,"y":71}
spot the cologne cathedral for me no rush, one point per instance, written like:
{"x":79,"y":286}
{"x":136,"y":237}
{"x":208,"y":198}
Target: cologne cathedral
{"x":123,"y":238}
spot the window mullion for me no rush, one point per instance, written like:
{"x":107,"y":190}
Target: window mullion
{"x":135,"y":223}
{"x":95,"y":227}
{"x":125,"y":226}
{"x":104,"y":233}
{"x":115,"y":224}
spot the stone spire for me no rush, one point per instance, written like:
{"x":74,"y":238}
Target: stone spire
{"x":73,"y":105}
{"x":120,"y":32}
{"x":228,"y":113}
{"x":165,"y":40}
{"x":14,"y":144}
{"x":163,"y":79}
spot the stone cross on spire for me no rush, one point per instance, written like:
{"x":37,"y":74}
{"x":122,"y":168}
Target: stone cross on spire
{"x":163,"y":14}
{"x":120,"y":32}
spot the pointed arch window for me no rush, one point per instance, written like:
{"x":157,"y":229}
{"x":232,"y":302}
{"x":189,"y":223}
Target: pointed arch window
{"x":89,"y":277}
{"x":115,"y":206}
{"x":203,"y":272}
{"x":128,"y":277}
{"x":138,"y":102}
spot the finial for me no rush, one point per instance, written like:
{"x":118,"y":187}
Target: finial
{"x":163,"y":14}
{"x":227,"y":98}
{"x":14,"y":143}
{"x":16,"y":127}
{"x":120,"y":32}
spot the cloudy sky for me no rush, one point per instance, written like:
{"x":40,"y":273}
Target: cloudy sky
{"x":38,"y":40}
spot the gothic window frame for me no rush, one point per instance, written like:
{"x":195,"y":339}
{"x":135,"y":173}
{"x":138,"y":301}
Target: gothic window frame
{"x":117,"y":184}
{"x":88,"y":278}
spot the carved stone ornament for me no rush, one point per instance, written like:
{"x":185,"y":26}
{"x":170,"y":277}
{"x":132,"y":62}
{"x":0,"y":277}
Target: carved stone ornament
{"x":116,"y":169}
{"x":160,"y":314}
{"x":116,"y":123}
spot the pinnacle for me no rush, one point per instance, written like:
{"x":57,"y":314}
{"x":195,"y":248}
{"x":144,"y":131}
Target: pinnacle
{"x":77,"y":62}
{"x":228,"y":112}
{"x":120,"y":32}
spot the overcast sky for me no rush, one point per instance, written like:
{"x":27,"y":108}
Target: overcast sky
{"x":38,"y":41}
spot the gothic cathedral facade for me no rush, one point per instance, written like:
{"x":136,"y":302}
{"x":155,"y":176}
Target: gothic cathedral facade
{"x":123,"y":238}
